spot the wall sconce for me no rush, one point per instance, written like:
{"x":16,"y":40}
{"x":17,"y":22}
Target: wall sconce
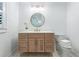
{"x":26,"y":27}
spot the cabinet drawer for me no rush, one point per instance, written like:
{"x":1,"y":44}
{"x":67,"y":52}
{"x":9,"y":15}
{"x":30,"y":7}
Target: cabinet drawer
{"x":36,"y":35}
{"x":22,"y":40}
{"x":37,"y":38}
{"x":49,"y":35}
{"x":22,"y":35}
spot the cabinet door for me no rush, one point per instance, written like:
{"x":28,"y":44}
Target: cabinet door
{"x":40,"y":45}
{"x":32,"y":44}
{"x":48,"y":45}
{"x":49,"y":42}
{"x":36,"y":42}
{"x":22,"y":42}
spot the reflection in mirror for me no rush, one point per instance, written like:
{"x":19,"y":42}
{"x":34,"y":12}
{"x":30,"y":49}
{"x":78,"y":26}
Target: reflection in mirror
{"x":37,"y":20}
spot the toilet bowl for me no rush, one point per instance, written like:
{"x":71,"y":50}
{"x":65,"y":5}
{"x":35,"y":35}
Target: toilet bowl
{"x":65,"y":43}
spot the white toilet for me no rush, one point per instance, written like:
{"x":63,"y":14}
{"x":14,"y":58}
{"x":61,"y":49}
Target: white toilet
{"x":65,"y":43}
{"x":63,"y":46}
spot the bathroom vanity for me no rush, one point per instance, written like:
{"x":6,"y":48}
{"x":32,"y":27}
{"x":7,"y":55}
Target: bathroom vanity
{"x":36,"y":42}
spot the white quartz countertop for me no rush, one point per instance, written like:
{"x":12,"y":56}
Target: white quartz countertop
{"x":36,"y":32}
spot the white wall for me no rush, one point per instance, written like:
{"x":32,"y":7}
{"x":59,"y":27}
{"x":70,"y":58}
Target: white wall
{"x":73,"y":24}
{"x":8,"y":40}
{"x":55,"y":17}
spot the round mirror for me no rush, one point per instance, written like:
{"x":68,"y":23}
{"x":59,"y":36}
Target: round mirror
{"x":37,"y":20}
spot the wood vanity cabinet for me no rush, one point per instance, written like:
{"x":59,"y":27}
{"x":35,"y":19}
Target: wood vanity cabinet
{"x":36,"y":42}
